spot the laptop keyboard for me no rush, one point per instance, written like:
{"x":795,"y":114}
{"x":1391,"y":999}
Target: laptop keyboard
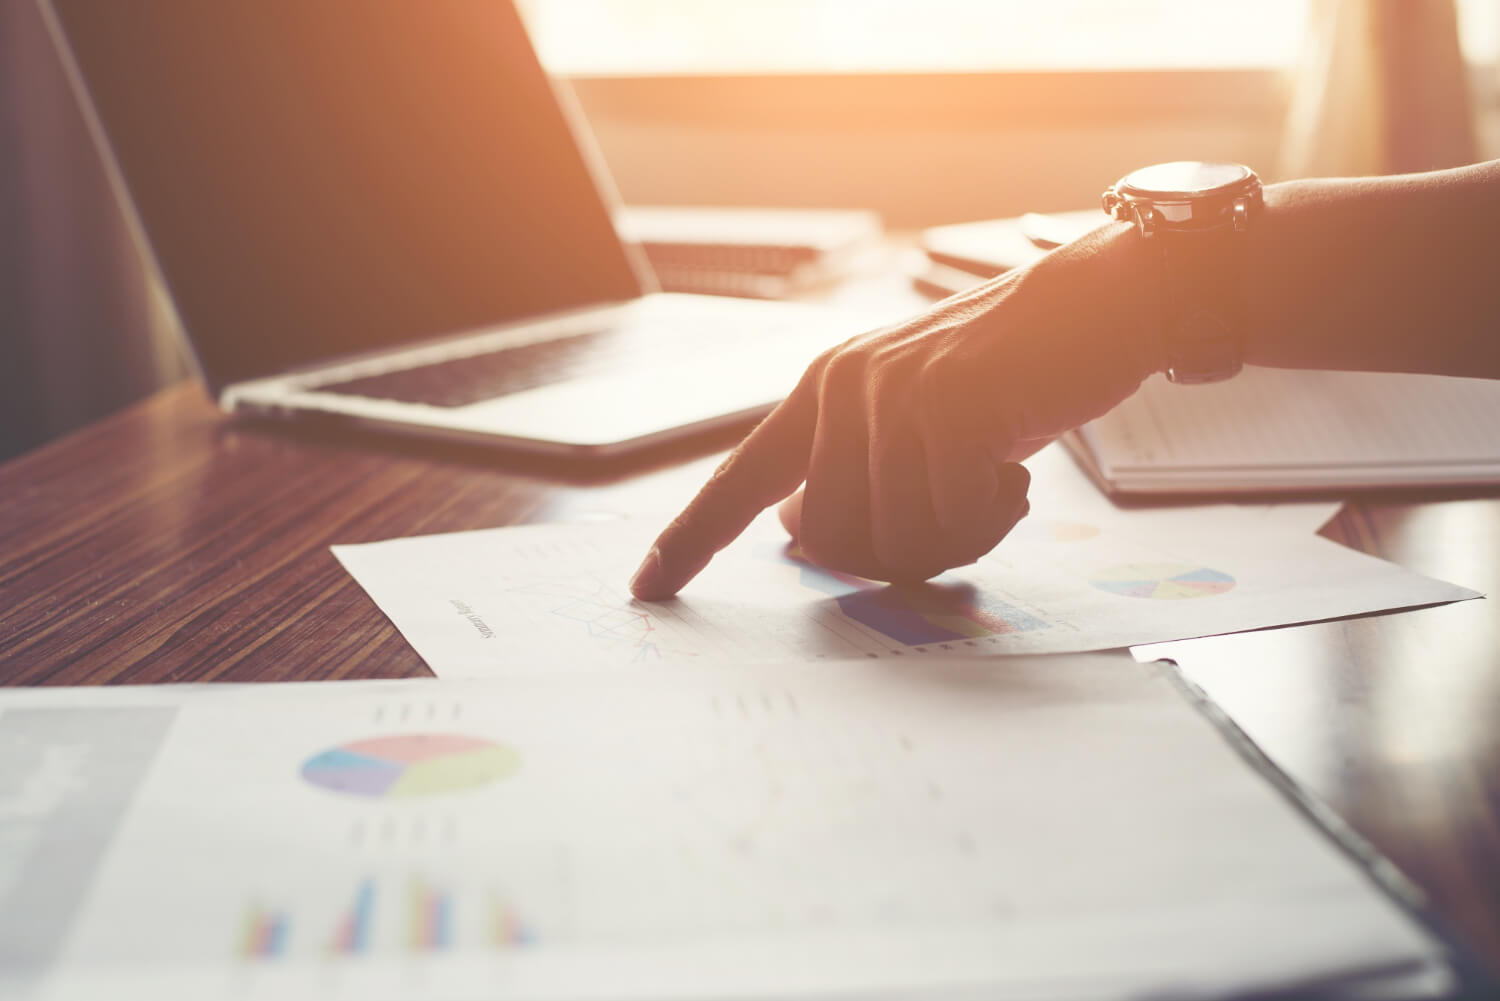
{"x":457,"y":382}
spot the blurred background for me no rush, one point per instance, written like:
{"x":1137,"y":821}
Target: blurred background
{"x":927,"y":111}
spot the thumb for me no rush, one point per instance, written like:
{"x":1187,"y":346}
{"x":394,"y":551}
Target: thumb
{"x":790,"y":513}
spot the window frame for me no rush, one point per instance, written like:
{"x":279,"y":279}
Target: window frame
{"x":1001,"y":142}
{"x":870,"y":101}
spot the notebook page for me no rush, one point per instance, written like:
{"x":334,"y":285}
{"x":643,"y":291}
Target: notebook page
{"x":1406,"y":427}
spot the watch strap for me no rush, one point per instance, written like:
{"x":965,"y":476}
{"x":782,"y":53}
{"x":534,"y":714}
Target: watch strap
{"x":1204,"y":323}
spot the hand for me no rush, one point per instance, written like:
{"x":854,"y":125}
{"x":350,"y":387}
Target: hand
{"x":909,"y":438}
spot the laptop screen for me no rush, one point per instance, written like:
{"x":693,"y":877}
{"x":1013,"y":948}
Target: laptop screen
{"x":321,"y":177}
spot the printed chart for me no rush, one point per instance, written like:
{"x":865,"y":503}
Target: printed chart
{"x":429,"y":924}
{"x":428,"y":917}
{"x":915,"y":616}
{"x":603,"y":613}
{"x":837,"y":829}
{"x":352,"y":936}
{"x":507,"y":927}
{"x":405,"y":765}
{"x":263,"y":933}
{"x":1162,"y":581}
{"x":555,"y":597}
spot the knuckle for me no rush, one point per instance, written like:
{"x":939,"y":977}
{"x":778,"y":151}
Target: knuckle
{"x":893,"y":352}
{"x":889,"y":381}
{"x":844,"y":372}
{"x":936,"y":387}
{"x":935,"y":377}
{"x":723,"y":480}
{"x":809,"y":387}
{"x":816,"y":371}
{"x":682,"y":529}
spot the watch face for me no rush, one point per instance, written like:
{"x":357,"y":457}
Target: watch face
{"x":1184,"y":177}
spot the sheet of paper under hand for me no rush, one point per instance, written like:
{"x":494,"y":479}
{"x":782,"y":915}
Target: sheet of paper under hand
{"x":1029,"y":827}
{"x":553,"y":597}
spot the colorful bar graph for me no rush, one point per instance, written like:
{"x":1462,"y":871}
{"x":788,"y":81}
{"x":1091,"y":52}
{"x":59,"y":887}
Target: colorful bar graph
{"x":507,"y":930}
{"x":429,"y":918}
{"x":353,"y":934}
{"x":431,"y":921}
{"x":914,"y":616}
{"x":263,"y":934}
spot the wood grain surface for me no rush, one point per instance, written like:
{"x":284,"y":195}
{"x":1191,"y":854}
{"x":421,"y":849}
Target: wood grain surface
{"x":169,"y":544}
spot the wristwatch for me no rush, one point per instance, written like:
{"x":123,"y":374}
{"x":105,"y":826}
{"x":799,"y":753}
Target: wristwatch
{"x":1198,"y":215}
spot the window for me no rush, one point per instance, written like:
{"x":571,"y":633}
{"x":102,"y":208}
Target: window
{"x":659,"y":37}
{"x":622,"y":37}
{"x":1016,"y":105}
{"x":1479,"y":30}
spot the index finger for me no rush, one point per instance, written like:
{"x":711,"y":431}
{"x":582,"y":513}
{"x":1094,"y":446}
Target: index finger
{"x":768,"y":465}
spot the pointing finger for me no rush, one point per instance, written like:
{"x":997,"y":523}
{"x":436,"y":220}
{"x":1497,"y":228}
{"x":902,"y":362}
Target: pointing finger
{"x":767,"y":466}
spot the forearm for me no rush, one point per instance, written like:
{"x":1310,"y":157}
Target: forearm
{"x":906,"y":439}
{"x":1378,"y":274}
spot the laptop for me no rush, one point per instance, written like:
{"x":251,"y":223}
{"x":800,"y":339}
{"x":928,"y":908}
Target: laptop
{"x":385,"y":213}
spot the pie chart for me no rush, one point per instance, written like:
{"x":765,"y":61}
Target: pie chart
{"x":410,"y":765}
{"x":1162,"y":581}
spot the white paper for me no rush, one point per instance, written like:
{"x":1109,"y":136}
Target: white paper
{"x":1284,"y":429}
{"x":554,"y":598}
{"x":1038,"y":828}
{"x":1298,"y":516}
{"x":1061,"y":490}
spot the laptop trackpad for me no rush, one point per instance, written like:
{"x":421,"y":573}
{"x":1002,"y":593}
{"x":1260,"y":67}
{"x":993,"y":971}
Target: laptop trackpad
{"x":700,"y":389}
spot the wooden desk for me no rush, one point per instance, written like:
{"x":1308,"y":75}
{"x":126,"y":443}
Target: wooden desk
{"x":168,"y":544}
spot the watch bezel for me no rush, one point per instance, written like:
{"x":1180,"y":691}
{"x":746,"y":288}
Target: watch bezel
{"x":1227,"y":204}
{"x":1134,"y":190}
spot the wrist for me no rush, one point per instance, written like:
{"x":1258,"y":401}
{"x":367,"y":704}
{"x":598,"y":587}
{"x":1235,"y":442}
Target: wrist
{"x":1193,"y":218}
{"x":1131,"y":282}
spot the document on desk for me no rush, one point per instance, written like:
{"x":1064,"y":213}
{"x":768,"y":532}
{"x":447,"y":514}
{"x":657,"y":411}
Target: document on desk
{"x":1028,"y":827}
{"x":1061,"y":490}
{"x":553,"y":597}
{"x":1278,"y":430}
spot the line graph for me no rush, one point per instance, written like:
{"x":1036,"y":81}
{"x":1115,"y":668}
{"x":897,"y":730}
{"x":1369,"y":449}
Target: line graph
{"x":602,"y":613}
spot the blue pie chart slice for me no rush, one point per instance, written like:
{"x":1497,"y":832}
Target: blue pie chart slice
{"x":346,"y":771}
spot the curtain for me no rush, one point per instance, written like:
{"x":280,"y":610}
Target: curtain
{"x":1382,"y":89}
{"x":81,"y":331}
